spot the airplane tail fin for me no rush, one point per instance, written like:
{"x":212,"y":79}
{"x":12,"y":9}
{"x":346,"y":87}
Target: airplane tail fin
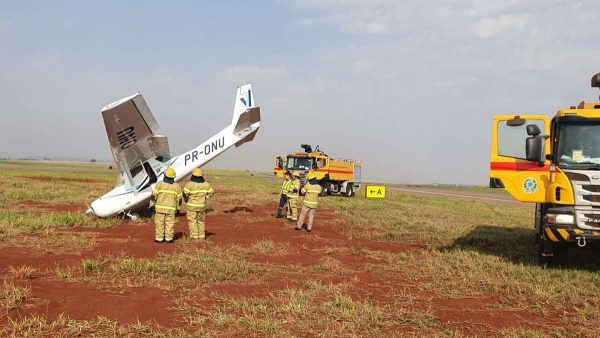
{"x":244,"y":99}
{"x":246,"y":115}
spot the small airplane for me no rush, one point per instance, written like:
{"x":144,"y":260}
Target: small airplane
{"x":142,"y":154}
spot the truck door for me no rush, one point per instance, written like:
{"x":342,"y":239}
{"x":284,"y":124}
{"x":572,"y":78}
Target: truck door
{"x":525,"y":180}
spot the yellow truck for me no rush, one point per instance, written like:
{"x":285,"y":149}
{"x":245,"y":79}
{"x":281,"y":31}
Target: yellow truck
{"x":334,"y":175}
{"x":554,"y":163}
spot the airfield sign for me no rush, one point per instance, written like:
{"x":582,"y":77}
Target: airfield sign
{"x":375,"y":191}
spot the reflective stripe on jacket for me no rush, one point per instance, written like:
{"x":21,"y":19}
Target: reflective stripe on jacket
{"x":285,"y":187}
{"x":166,"y":197}
{"x":196,"y":195}
{"x":311,"y":197}
{"x":294,"y":191}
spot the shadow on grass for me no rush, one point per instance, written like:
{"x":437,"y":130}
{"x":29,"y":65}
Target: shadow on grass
{"x":515,"y":244}
{"x":519,"y":246}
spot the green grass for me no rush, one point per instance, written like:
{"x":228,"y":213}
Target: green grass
{"x":451,"y":187}
{"x":41,"y":220}
{"x":430,"y":221}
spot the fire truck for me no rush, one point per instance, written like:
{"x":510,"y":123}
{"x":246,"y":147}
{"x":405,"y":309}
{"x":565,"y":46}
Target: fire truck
{"x":335,"y":175}
{"x":554,"y":163}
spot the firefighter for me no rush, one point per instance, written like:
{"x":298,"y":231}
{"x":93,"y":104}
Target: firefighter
{"x":196,"y":193}
{"x":283,"y":195}
{"x":311,"y":192}
{"x":293,"y":195}
{"x":166,"y":201}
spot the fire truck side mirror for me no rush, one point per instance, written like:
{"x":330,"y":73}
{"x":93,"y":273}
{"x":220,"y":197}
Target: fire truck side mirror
{"x":533,"y":130}
{"x":534,"y":149}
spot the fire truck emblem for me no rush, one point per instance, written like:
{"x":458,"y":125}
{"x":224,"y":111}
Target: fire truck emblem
{"x":530,"y":185}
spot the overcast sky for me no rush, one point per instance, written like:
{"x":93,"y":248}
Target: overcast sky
{"x":408,"y":87}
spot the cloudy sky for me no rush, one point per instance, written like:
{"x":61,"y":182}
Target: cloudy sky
{"x":408,"y":87}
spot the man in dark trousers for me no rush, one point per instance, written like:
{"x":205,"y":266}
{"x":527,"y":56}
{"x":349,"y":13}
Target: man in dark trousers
{"x":283,"y":198}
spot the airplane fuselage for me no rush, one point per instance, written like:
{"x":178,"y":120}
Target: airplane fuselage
{"x":124,"y":198}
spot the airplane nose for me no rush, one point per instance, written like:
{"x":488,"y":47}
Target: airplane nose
{"x":90,"y":211}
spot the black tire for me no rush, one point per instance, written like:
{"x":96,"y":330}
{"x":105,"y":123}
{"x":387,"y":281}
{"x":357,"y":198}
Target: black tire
{"x":349,"y":190}
{"x":325,"y":189}
{"x":559,"y":253}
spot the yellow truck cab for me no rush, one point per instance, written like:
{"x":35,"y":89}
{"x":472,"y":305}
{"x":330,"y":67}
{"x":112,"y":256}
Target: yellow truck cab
{"x":334,"y":175}
{"x":554,"y":163}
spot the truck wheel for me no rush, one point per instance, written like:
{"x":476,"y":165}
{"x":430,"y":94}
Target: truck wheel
{"x":325,"y":189}
{"x":552,"y":254}
{"x":349,"y":190}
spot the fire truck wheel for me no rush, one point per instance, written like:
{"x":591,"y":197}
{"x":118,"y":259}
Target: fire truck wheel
{"x":349,"y":190}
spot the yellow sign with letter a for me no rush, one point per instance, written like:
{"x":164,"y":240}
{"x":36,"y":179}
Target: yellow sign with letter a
{"x":375,"y":191}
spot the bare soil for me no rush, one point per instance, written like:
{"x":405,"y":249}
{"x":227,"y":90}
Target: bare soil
{"x":30,"y":205}
{"x":244,"y":226}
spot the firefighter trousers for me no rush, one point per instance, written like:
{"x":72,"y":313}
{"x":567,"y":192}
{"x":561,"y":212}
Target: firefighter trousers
{"x":196,"y":224}
{"x":164,"y":226}
{"x":292,"y":209}
{"x":311,"y":216}
{"x":283,"y":201}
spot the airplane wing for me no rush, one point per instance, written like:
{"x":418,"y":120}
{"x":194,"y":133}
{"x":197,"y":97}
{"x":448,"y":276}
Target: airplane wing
{"x":135,"y":140}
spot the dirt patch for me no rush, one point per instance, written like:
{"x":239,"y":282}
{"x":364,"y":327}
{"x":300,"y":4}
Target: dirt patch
{"x":43,"y":261}
{"x":31,"y":205}
{"x":130,"y":239}
{"x":60,"y":179}
{"x":85,"y":302}
{"x":485,"y":312}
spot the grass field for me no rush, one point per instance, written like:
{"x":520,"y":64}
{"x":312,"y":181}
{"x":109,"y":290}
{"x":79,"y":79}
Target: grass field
{"x":407,"y":265}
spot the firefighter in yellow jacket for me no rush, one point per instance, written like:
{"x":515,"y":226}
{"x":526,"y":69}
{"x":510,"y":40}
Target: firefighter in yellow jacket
{"x":166,"y":201}
{"x":283,"y":195}
{"x":293,"y":195}
{"x":196,"y":192}
{"x":311,"y":192}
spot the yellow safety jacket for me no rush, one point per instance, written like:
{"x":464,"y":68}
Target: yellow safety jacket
{"x":285,"y":188}
{"x":166,"y":197}
{"x":196,"y":195}
{"x":294,"y":191}
{"x":311,"y":197}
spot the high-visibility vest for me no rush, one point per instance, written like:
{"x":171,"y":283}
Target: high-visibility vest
{"x":166,"y":197}
{"x":196,"y":195}
{"x":294,"y":191}
{"x":311,"y":195}
{"x":285,"y":187}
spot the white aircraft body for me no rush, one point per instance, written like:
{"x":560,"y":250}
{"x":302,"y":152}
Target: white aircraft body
{"x":142,"y":153}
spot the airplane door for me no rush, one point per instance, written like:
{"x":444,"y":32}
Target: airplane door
{"x":526,"y":181}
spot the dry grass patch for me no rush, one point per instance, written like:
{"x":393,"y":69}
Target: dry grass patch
{"x":12,"y":296}
{"x":188,"y":267}
{"x":22,"y":272}
{"x":316,"y":310}
{"x":38,"y":326}
{"x":271,"y":248}
{"x":49,"y":238}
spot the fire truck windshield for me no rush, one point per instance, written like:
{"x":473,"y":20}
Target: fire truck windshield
{"x":299,"y":163}
{"x":578,"y":144}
